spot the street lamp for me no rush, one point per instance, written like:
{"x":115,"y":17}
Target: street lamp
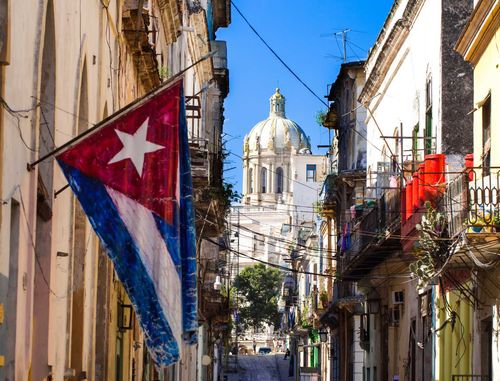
{"x":323,"y":335}
{"x":373,"y":306}
{"x":217,"y":283}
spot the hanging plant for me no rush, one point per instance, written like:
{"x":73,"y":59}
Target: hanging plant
{"x":431,"y":249}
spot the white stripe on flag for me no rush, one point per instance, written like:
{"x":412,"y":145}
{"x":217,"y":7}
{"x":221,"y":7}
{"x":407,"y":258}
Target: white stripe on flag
{"x":155,"y":257}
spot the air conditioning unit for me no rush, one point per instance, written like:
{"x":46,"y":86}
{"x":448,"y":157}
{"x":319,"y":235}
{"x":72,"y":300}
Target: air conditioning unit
{"x":398,"y":297}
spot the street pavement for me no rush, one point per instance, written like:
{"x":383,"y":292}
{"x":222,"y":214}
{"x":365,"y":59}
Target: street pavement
{"x":270,"y":367}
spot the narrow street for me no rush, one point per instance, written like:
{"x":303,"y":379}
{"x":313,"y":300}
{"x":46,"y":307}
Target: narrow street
{"x":261,"y":368}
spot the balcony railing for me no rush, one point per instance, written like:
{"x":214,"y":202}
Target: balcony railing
{"x":472,"y":202}
{"x":329,"y":189}
{"x":375,"y":226}
{"x":484,"y":199}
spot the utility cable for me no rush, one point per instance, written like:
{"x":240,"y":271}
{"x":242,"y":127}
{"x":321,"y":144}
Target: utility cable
{"x":237,"y":253}
{"x":277,"y":56}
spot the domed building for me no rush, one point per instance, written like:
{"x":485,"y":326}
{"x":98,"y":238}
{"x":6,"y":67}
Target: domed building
{"x":278,"y":166}
{"x":282,"y":180}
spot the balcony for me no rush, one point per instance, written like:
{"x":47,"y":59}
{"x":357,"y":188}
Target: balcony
{"x":221,"y":72}
{"x":472,"y":204}
{"x":329,"y":194}
{"x":171,"y":17}
{"x":199,"y":45}
{"x":138,"y":25}
{"x":199,"y":162}
{"x":221,"y":10}
{"x":372,"y":238}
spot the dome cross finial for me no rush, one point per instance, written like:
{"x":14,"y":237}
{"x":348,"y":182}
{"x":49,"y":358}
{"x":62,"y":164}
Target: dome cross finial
{"x":277,"y":104}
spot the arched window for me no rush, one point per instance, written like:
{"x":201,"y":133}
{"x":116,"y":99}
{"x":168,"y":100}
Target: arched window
{"x":250,"y":180}
{"x":279,"y":180}
{"x":263,"y":180}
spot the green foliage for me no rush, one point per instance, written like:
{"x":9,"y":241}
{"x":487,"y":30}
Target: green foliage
{"x":320,"y":117}
{"x":225,"y":196}
{"x":163,"y":73}
{"x":258,"y":288}
{"x":430,"y":249}
{"x":317,"y":207}
{"x":305,"y":318}
{"x":231,"y":294}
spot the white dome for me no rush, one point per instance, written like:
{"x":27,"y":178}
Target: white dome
{"x":277,"y":132}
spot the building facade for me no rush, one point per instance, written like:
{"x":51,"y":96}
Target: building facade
{"x":64,"y":67}
{"x":415,"y":287}
{"x":477,"y":44}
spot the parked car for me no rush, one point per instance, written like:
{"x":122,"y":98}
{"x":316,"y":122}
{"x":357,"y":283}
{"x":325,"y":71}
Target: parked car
{"x":264,"y":350}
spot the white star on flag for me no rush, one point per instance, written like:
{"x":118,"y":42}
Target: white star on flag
{"x":135,"y":147}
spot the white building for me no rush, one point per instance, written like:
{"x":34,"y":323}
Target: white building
{"x":281,"y":184}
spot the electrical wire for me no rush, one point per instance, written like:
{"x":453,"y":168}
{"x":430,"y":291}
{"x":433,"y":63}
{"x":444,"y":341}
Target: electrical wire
{"x":17,"y":114}
{"x":238,"y":253}
{"x":277,"y":56}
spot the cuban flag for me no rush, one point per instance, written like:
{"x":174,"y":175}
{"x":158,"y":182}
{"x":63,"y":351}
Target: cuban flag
{"x":132,"y":178}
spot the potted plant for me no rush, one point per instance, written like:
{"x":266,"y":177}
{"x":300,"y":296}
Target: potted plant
{"x":323,"y":297}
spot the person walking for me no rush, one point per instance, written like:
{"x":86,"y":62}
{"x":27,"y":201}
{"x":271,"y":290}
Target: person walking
{"x":254,"y":344}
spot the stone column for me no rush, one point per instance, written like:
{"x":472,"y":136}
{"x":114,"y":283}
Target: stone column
{"x":286,"y":178}
{"x":256,"y":178}
{"x":270,"y":186}
{"x":246,"y":184}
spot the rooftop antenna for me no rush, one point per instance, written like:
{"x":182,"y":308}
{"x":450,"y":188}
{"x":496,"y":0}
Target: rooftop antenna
{"x":343,"y":32}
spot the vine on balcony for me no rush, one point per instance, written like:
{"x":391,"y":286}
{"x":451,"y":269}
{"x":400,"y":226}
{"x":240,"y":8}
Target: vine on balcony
{"x":432,"y":248}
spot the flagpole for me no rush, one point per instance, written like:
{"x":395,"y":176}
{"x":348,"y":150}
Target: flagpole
{"x":119,"y":112}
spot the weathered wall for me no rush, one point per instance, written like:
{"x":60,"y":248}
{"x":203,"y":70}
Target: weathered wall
{"x":457,"y":81}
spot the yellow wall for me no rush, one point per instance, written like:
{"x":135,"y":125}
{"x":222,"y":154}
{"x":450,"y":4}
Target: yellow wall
{"x":454,"y":344}
{"x":487,"y":78}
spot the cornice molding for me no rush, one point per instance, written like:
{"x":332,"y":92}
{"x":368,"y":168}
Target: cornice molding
{"x":389,"y":50}
{"x":479,"y":31}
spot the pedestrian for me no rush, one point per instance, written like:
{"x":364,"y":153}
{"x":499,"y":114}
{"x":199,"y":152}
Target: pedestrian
{"x":287,"y":354}
{"x":254,"y":343}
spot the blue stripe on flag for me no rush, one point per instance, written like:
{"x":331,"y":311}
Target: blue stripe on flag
{"x":124,"y":253}
{"x":187,"y":229}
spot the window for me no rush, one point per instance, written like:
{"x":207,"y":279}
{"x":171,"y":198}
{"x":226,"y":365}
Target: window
{"x":279,"y":180}
{"x":486,"y":118}
{"x":250,"y":180}
{"x":263,"y":180}
{"x":310,"y":172}
{"x":394,"y":156}
{"x":428,"y":117}
{"x":414,"y":143}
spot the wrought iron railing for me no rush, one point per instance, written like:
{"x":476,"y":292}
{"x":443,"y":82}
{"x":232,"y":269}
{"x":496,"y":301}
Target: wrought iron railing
{"x":472,"y":202}
{"x":456,"y":203}
{"x":484,"y":199}
{"x":373,"y":226}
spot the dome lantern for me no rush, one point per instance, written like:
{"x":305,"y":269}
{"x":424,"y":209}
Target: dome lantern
{"x":276,"y":133}
{"x":277,"y":104}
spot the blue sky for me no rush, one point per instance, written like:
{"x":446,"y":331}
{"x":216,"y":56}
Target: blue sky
{"x":302,"y":33}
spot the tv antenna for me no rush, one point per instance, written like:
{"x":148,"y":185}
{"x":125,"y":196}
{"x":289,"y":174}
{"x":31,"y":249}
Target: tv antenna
{"x":343,"y":32}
